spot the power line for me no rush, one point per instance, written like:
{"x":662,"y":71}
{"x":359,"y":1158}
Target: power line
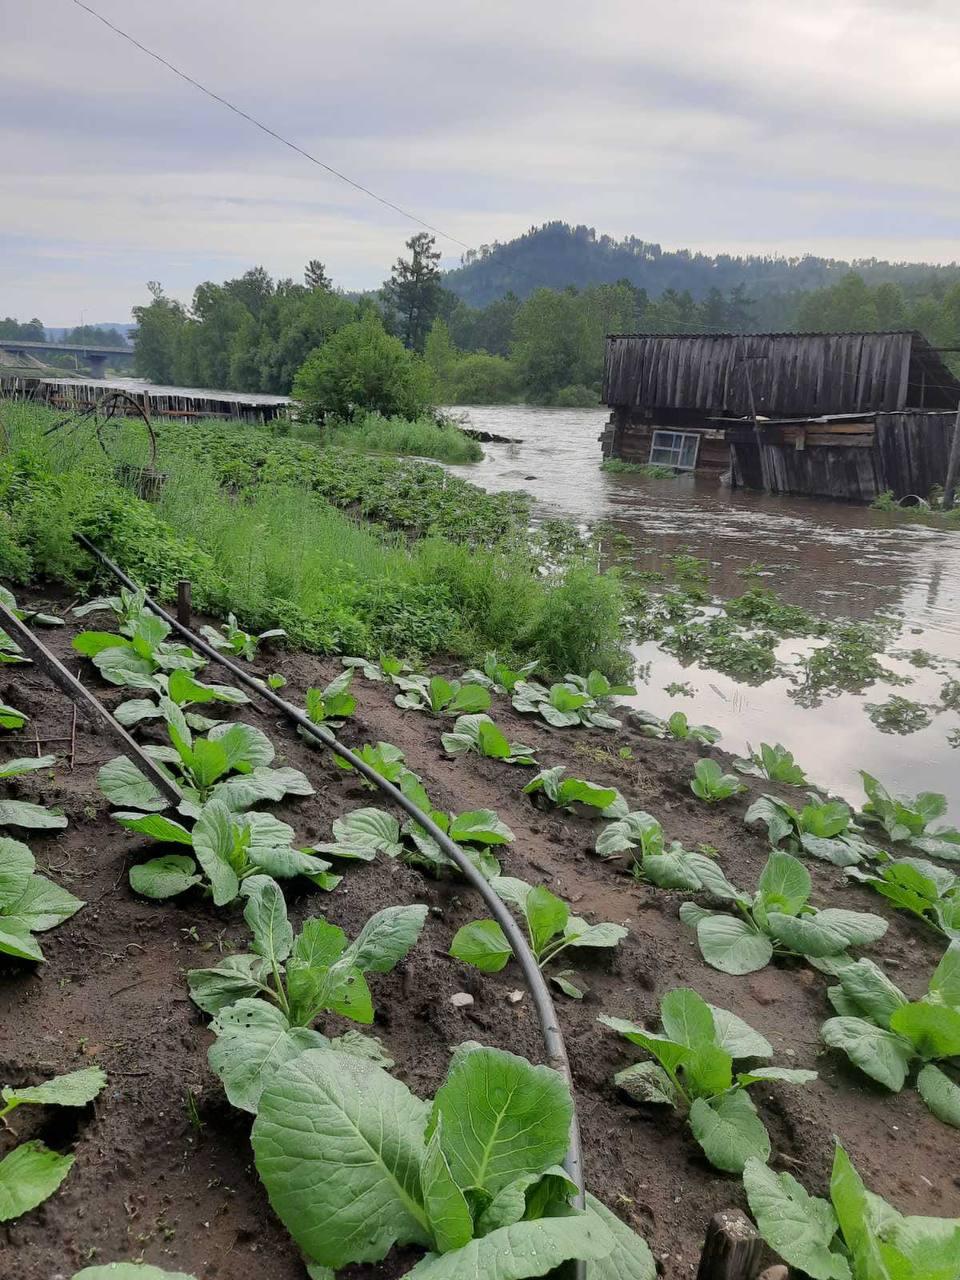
{"x":258,"y":124}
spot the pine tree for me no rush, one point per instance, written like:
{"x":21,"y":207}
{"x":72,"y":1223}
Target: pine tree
{"x":414,"y":290}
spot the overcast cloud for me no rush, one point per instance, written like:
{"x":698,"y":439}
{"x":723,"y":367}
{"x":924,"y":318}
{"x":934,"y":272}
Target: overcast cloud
{"x":824,"y":126}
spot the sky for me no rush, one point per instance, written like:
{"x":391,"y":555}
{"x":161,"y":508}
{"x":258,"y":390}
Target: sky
{"x":822,"y":126}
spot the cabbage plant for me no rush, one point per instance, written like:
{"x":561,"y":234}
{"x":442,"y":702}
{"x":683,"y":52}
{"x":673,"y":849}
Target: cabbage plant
{"x":496,"y":675}
{"x":564,"y":793}
{"x":11,"y":718}
{"x":676,"y":726}
{"x":693,"y":1072}
{"x":264,"y":1002}
{"x":232,"y":639}
{"x":441,"y":697}
{"x":776,"y":920}
{"x":184,"y":691}
{"x":885,"y":1034}
{"x":23,"y":813}
{"x":550,"y":927}
{"x":908,"y":821}
{"x":855,"y":1235}
{"x":929,"y":892}
{"x":31,"y":1172}
{"x":669,"y":866}
{"x":137,"y":660}
{"x":710,"y":784}
{"x":331,"y":705}
{"x":354,"y":1163}
{"x":822,"y":828}
{"x":577,"y":700}
{"x":773,"y":762}
{"x":479,"y":734}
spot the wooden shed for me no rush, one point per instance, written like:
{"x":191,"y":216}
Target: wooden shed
{"x":845,"y":415}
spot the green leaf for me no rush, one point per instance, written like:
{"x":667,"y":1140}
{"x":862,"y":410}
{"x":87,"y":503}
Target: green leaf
{"x":479,"y":826}
{"x":786,"y":1075}
{"x":363,"y":833}
{"x":32,"y":817}
{"x":798,"y":1226}
{"x":647,"y":1082}
{"x":254,"y":1040}
{"x":241,"y":792}
{"x":513,"y":1202}
{"x":826,"y":933}
{"x":668,"y":1052}
{"x":156,"y":826}
{"x":880,"y":1054}
{"x":90,"y":643}
{"x":579,"y":933}
{"x":940,"y":1094}
{"x":945,"y":981}
{"x":445,"y":1204}
{"x":126,"y":787}
{"x":213,"y":842}
{"x":468,"y":699}
{"x":482,"y":944}
{"x":729,"y":1130}
{"x":737,"y":1037}
{"x":11,"y":718}
{"x":338,"y":1145}
{"x":245,"y":746}
{"x":266,"y":914}
{"x":30,"y":1174}
{"x":630,"y":1259}
{"x":777,"y":816}
{"x":502,"y":1117}
{"x":521,"y":1250}
{"x":687,"y":1018}
{"x":164,"y":877}
{"x":75,"y":1089}
{"x":546,"y":915}
{"x":386,"y":938}
{"x":16,"y":868}
{"x":17,"y":940}
{"x":184,"y":689}
{"x":319,"y":943}
{"x":233,"y":979}
{"x":732,"y":945}
{"x":871,"y":992}
{"x":25,"y":764}
{"x":784,"y":884}
{"x":933,"y":1029}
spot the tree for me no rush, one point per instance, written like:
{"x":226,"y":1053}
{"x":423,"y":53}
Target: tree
{"x":29,"y":331}
{"x":440,"y":355}
{"x":414,"y":290}
{"x":550,"y":334}
{"x":315,"y":277}
{"x":159,"y":326}
{"x":95,"y":335}
{"x":363,"y":369}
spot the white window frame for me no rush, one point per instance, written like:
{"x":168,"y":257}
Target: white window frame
{"x":672,"y":447}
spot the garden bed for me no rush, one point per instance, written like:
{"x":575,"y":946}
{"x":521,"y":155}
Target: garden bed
{"x":164,"y":1167}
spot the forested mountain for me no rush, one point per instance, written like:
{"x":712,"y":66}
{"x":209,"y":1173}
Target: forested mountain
{"x":556,"y":255}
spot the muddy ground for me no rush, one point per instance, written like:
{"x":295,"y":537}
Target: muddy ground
{"x":163,"y":1165}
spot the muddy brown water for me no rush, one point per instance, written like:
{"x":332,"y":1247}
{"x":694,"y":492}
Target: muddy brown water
{"x":833,"y":558}
{"x":175,"y":1184}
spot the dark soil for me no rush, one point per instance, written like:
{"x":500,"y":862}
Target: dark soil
{"x":163,"y":1164}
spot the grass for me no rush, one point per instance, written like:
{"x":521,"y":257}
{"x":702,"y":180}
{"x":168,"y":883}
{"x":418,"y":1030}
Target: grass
{"x":252,"y":521}
{"x":653,"y":470}
{"x":424,"y":438}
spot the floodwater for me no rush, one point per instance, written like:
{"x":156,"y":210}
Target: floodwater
{"x":834,"y":559}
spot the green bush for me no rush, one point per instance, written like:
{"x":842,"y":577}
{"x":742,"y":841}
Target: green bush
{"x":362,"y":369}
{"x":482,"y":379}
{"x":577,"y":397}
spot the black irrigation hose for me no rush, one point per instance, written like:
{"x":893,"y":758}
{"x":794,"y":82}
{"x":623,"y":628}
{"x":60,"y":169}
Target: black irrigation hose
{"x":543,"y":1002}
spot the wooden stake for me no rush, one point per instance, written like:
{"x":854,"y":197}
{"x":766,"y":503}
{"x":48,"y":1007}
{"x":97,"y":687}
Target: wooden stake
{"x":732,"y":1248}
{"x":953,"y":466}
{"x":183,"y":602}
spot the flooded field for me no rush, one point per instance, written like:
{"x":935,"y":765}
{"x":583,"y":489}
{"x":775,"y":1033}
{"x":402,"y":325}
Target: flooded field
{"x":833,"y":559}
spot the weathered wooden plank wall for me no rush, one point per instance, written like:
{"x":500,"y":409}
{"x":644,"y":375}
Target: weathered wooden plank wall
{"x":84,"y":395}
{"x":913,"y":449}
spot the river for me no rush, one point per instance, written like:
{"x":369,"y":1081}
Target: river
{"x":834,"y":559}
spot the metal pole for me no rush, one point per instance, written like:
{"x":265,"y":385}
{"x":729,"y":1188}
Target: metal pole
{"x":953,"y":465}
{"x":84,"y":699}
{"x":556,"y":1052}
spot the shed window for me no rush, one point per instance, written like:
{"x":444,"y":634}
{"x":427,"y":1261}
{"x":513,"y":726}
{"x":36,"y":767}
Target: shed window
{"x":675,"y":449}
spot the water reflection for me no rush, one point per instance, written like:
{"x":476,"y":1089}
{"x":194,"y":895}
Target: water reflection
{"x":832,"y":558}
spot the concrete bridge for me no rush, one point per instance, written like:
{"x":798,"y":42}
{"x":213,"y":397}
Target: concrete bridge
{"x":95,"y":357}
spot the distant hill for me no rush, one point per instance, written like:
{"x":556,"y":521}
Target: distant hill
{"x":557,"y":255}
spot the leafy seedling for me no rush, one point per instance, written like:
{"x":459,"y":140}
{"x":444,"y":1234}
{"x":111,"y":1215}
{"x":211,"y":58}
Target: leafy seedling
{"x":265,"y":1001}
{"x":693,"y":1073}
{"x":479,"y":734}
{"x":31,"y":1172}
{"x":333,"y":704}
{"x":578,"y":700}
{"x":907,"y":821}
{"x":564,"y":793}
{"x":34,"y":616}
{"x":29,"y":903}
{"x":855,"y":1235}
{"x":551,"y":929}
{"x":136,"y":661}
{"x":667,"y":866}
{"x":388,"y":667}
{"x":441,"y":697}
{"x":230,"y":764}
{"x":354,"y":1163}
{"x":232,"y":639}
{"x":775,"y":763}
{"x":496,"y":675}
{"x":886,"y":1035}
{"x":676,"y":726}
{"x":778,"y":919}
{"x":229,"y":848}
{"x":929,"y":892}
{"x":710,"y":784}
{"x":384,"y":759}
{"x":823,"y":829}
{"x":184,"y":691}
{"x":127,"y":608}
